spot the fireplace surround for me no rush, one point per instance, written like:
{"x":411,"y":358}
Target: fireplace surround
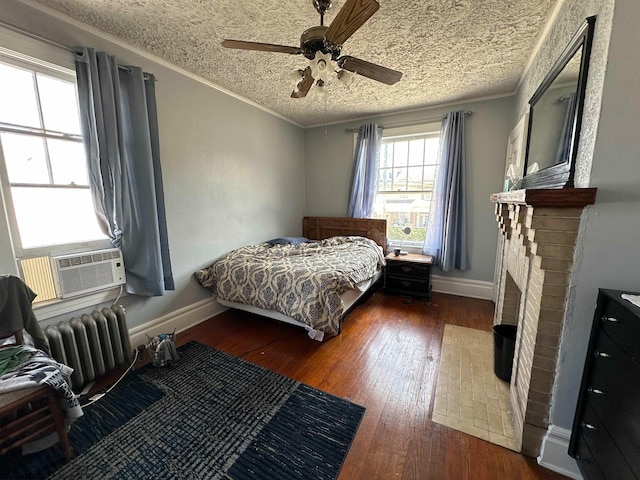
{"x":538,"y":229}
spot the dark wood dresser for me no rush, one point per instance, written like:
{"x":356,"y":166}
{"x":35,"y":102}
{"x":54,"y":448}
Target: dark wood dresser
{"x":408,"y":275}
{"x":605,"y":439}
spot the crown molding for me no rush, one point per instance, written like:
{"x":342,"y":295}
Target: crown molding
{"x":138,"y":51}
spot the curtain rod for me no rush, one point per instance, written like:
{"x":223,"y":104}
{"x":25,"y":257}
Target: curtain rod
{"x":50,"y":42}
{"x":408,"y":124}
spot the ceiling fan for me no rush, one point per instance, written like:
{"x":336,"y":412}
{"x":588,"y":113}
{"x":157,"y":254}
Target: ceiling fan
{"x":322,"y":45}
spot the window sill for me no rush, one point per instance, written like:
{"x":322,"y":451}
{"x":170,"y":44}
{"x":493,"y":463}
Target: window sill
{"x":405,"y":248}
{"x":56,"y":308}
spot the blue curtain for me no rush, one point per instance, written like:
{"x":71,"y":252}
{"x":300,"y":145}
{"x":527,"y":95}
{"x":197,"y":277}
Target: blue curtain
{"x":120,"y":129}
{"x":365,"y":171}
{"x":446,"y":237}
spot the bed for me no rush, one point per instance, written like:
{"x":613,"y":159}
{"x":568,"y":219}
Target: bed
{"x":310,"y":284}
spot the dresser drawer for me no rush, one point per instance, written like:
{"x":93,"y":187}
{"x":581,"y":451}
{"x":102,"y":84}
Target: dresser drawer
{"x":612,"y":366}
{"x":614,"y":395}
{"x":407,"y":269}
{"x":588,"y":463}
{"x":407,"y":285}
{"x":622,"y":326}
{"x":605,"y":437}
{"x":609,"y":458}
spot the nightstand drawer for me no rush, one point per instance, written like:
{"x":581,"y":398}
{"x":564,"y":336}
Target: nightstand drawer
{"x":407,"y":285}
{"x":407,"y":269}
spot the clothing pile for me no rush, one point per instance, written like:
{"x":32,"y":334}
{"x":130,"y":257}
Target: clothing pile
{"x":23,"y":366}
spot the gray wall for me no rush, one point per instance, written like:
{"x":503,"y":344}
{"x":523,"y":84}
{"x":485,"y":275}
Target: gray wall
{"x":329,"y":160}
{"x":608,"y":252}
{"x":233,"y":174}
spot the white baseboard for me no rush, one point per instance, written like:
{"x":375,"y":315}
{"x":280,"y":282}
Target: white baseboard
{"x":462,"y":287}
{"x":180,"y":319}
{"x":553,"y":454}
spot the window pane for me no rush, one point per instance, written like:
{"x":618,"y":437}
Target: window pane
{"x":17,"y":97}
{"x":68,"y":162}
{"x":431,"y":146}
{"x":406,"y":200}
{"x":401,"y":210}
{"x":416,"y":152}
{"x":25,"y":158}
{"x":400,"y":153}
{"x":429,"y":176}
{"x":52,"y":216}
{"x":415,"y":178}
{"x":386,"y":155}
{"x":384,"y":179}
{"x":59,"y":105}
{"x":399,"y":179}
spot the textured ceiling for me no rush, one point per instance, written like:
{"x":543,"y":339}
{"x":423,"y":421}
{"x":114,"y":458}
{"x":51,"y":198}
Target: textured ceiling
{"x":448,"y":50}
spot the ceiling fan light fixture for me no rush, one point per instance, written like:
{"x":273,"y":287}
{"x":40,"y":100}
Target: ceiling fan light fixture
{"x":321,"y":67}
{"x":322,"y":46}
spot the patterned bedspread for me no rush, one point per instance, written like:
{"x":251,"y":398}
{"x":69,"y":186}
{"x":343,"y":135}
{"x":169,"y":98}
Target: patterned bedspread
{"x":302,"y":281}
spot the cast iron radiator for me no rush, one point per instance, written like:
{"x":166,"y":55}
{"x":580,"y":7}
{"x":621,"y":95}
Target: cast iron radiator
{"x":92,"y":345}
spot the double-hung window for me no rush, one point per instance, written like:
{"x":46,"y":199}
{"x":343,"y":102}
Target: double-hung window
{"x":406,"y":174}
{"x":43,"y":168}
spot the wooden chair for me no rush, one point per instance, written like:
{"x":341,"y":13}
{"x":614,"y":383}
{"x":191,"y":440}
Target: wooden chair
{"x":29,"y":413}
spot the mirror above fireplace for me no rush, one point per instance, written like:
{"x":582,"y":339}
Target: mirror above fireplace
{"x":555,"y":116}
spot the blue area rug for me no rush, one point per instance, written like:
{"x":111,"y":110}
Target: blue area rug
{"x":211,"y":415}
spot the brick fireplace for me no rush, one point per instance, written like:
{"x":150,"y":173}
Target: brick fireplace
{"x":538,"y":229}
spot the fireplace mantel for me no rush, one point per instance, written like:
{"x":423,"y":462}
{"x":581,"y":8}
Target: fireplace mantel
{"x":548,"y":197}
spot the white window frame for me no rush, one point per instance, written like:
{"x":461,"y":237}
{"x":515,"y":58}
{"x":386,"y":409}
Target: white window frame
{"x":398,"y":133}
{"x":62,"y":72}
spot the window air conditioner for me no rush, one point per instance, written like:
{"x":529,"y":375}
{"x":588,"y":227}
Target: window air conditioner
{"x":88,"y":272}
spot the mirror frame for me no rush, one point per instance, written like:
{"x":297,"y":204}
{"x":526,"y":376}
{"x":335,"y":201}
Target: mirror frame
{"x":561,"y":175}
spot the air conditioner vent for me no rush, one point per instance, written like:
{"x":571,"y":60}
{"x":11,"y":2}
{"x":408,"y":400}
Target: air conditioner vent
{"x":88,"y":272}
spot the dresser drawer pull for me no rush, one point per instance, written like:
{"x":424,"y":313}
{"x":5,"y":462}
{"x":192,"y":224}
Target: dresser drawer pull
{"x":406,"y":269}
{"x":405,"y":283}
{"x":609,"y":319}
{"x":587,"y":425}
{"x":601,"y":354}
{"x":595,"y":390}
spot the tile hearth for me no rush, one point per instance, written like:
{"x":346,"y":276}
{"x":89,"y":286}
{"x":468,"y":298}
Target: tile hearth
{"x":469,"y":396}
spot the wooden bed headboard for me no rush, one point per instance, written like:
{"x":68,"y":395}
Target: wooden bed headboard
{"x":319,"y":228}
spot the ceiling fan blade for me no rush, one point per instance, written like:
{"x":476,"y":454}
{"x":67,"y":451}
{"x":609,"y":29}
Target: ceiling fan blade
{"x":350,"y":18}
{"x":304,"y":85}
{"x":370,"y":70}
{"x":263,"y":47}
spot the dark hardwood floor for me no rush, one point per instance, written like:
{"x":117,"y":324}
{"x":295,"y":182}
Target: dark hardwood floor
{"x":386,"y":360}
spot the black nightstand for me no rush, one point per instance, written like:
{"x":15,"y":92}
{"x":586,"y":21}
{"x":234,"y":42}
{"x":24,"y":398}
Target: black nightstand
{"x":408,"y":275}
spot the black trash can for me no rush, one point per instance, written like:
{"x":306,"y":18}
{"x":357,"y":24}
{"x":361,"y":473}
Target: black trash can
{"x":504,"y":345}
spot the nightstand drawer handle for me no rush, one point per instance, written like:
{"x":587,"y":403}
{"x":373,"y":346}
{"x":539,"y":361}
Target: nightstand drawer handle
{"x":609,"y":319}
{"x":601,"y":354}
{"x":406,"y":269}
{"x":405,"y":283}
{"x":587,"y":425}
{"x":595,"y":390}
